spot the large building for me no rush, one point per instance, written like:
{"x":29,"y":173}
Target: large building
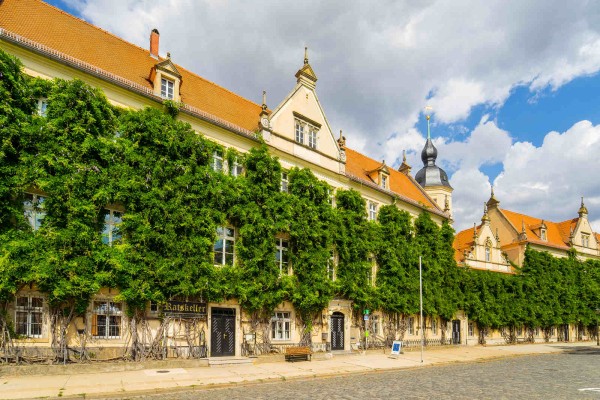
{"x":53,"y":44}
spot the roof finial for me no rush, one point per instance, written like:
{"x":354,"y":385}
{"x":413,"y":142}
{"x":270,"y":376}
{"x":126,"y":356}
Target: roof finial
{"x":497,"y":236}
{"x":264,"y":101}
{"x":583,"y":209}
{"x":168,"y":55}
{"x":428,"y":110}
{"x":342,"y":141}
{"x":305,"y":55}
{"x":446,"y":203}
{"x":485,"y":217}
{"x":522,"y":226}
{"x":404,"y":156}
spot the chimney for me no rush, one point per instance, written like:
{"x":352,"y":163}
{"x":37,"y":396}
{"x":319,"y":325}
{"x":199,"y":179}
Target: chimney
{"x":154,"y":37}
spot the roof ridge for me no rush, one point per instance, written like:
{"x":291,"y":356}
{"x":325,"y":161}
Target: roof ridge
{"x":143,"y":50}
{"x":96,"y":27}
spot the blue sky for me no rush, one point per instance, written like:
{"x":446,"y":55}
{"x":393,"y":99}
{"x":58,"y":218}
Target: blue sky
{"x":501,"y":75}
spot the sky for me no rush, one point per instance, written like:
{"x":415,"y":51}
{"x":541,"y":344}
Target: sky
{"x":514,"y":85}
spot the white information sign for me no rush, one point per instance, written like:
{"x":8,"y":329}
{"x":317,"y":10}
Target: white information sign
{"x":396,"y":347}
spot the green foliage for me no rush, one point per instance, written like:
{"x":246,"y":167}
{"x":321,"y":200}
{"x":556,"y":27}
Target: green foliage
{"x":86,"y":156}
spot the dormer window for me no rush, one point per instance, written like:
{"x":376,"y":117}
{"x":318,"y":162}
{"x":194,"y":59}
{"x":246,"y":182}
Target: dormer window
{"x":167,"y":89}
{"x":384,"y":181}
{"x":585,"y":240}
{"x":543,"y":234}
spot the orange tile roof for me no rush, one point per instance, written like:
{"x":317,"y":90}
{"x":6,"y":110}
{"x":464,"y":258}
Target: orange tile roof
{"x":62,"y":32}
{"x":463,"y":241}
{"x":358,"y":166}
{"x":554,"y":231}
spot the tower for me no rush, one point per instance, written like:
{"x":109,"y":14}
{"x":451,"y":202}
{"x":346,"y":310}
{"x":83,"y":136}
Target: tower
{"x":431,"y":177}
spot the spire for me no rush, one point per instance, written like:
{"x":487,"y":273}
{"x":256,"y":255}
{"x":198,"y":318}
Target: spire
{"x":582,"y":210}
{"x":485,"y":219}
{"x":428,"y":116}
{"x":306,"y":75}
{"x":492,"y":202}
{"x":474,"y":231}
{"x":523,"y":233}
{"x":404,"y":167}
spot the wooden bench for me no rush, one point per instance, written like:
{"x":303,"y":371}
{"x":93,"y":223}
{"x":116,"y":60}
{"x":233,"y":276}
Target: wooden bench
{"x":296,"y":353}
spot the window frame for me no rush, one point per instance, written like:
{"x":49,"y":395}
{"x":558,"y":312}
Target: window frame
{"x":299,"y":132}
{"x":384,"y":181}
{"x":29,"y":311}
{"x":167,"y":88}
{"x":42,"y":107}
{"x":36,"y":208}
{"x":113,"y":310}
{"x":236,"y":168}
{"x":488,"y":254}
{"x":222,"y":235}
{"x":112,"y":223}
{"x":218,"y":161}
{"x":312,"y":137}
{"x":280,"y":251}
{"x":285,"y":182}
{"x":372,"y":211}
{"x":585,"y":240}
{"x":281,"y":325}
{"x":471,"y":329}
{"x":543,"y":234}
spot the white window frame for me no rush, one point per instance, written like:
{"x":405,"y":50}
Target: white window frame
{"x":281,"y":253}
{"x":236,"y":169}
{"x":112,"y":312}
{"x":543,"y":235}
{"x":285,"y":182}
{"x":372,"y":211}
{"x":488,"y":254}
{"x":33,"y":209}
{"x":218,"y":161}
{"x":223,"y":234}
{"x":375,"y":325}
{"x":42,"y":107}
{"x":585,"y":240}
{"x":471,"y":329}
{"x":167,"y":88}
{"x":312,"y":137}
{"x":281,"y":326}
{"x":110,"y":230}
{"x":384,"y":181}
{"x":299,"y":132}
{"x":30,"y":310}
{"x":331,"y":266}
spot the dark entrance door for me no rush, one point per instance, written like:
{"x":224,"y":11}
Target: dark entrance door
{"x":456,"y":331}
{"x":222,"y":332}
{"x":337,"y":331}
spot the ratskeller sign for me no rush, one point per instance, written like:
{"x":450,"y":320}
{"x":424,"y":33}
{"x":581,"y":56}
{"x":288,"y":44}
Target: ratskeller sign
{"x":185,"y":308}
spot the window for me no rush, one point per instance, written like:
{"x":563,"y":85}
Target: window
{"x":112,"y":221}
{"x":224,"y":246}
{"x":585,"y":240}
{"x":217,"y":164}
{"x":372,"y":211}
{"x":312,"y":137}
{"x":33,"y":207}
{"x":166,"y":89}
{"x":280,"y":326}
{"x":434,"y":326}
{"x":236,"y":169}
{"x":42,"y":107}
{"x":371,"y":271}
{"x":384,"y":181}
{"x":537,"y":331}
{"x":154,"y":307}
{"x":281,"y":255}
{"x":552,"y":331}
{"x":299,"y":132}
{"x":284,"y":182}
{"x":543,"y":234}
{"x":106,"y":320}
{"x":28,"y":316}
{"x":471,"y":329}
{"x":375,"y":325}
{"x":520,"y":331}
{"x":488,"y":252}
{"x":411,"y":325}
{"x":331,"y":266}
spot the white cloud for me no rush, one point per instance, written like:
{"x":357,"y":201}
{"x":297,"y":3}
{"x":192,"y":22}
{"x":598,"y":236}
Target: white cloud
{"x":547,"y":181}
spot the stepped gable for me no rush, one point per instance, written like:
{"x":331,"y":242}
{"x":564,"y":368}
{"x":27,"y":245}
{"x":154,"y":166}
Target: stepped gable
{"x":60,"y":31}
{"x":358,"y":166}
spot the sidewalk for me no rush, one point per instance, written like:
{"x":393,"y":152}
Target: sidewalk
{"x":137,"y":382}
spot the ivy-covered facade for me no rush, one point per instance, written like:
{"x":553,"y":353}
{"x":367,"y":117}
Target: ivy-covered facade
{"x":148,"y":213}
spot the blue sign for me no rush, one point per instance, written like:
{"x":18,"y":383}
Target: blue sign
{"x":396,"y":347}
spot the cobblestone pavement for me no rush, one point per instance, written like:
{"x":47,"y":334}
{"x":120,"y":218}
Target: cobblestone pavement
{"x":551,"y":376}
